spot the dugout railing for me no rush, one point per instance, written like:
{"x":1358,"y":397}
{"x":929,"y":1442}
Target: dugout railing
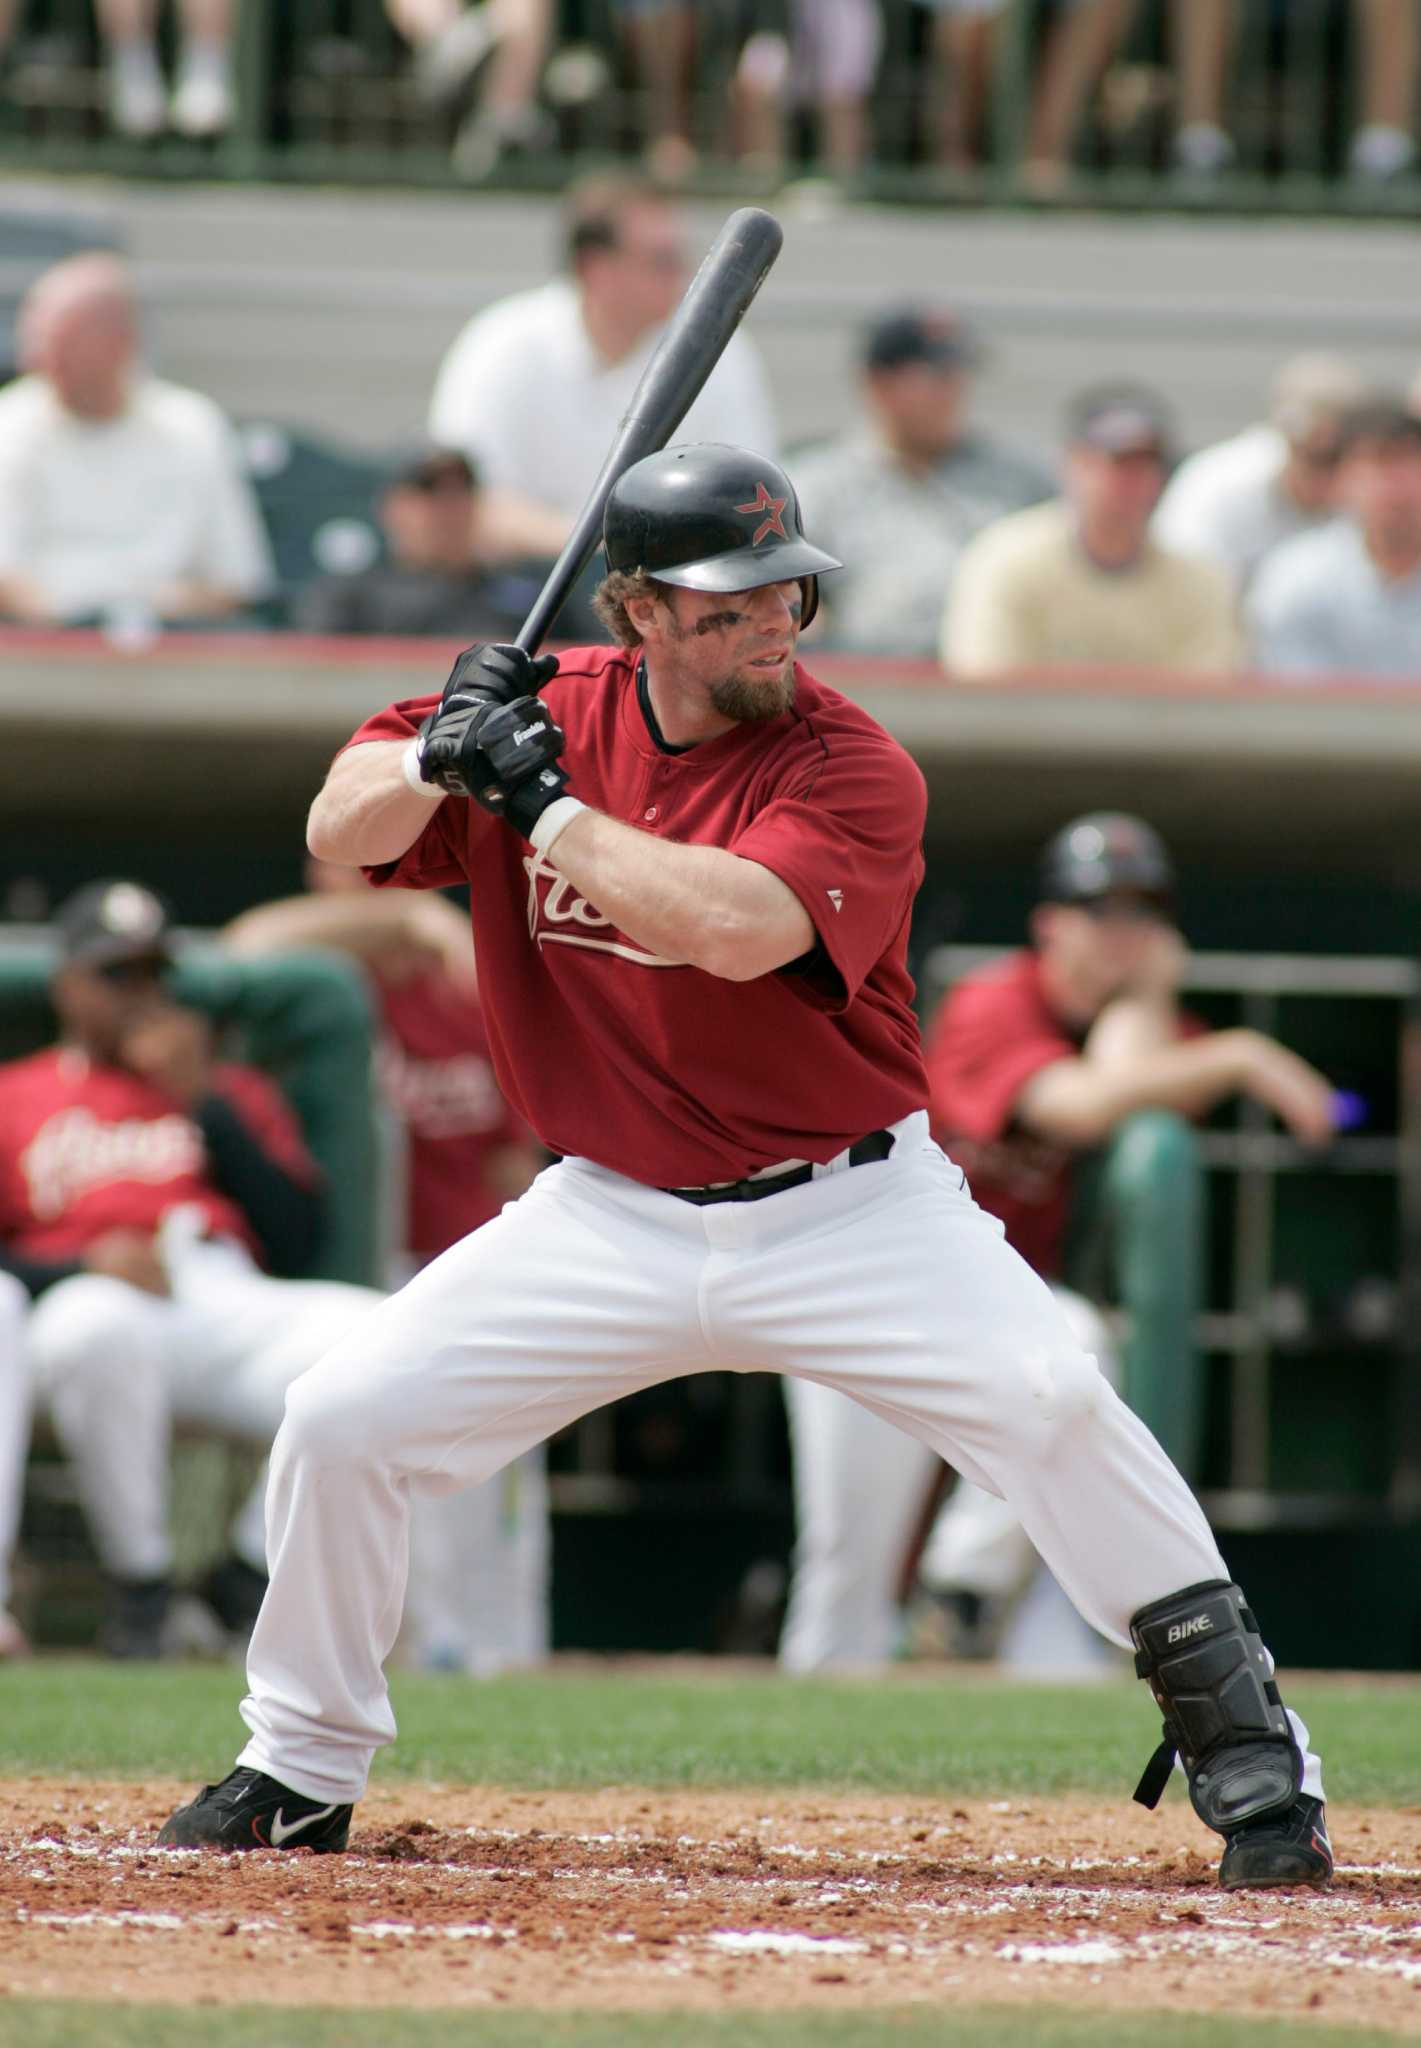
{"x":325,"y":93}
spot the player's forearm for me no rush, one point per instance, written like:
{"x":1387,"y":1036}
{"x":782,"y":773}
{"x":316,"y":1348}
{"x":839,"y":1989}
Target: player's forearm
{"x":696,"y":905}
{"x":367,"y":812}
{"x":1076,"y":1102}
{"x":366,"y":923}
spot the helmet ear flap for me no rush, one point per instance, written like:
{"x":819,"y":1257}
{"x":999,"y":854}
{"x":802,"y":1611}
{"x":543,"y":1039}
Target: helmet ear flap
{"x":809,"y":596}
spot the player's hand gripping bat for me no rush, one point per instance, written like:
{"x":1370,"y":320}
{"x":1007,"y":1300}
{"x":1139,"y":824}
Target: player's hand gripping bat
{"x":715,"y":302}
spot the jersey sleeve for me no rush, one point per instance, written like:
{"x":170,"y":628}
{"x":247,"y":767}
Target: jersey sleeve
{"x":438,"y":859}
{"x":979,"y":1057}
{"x":269,"y":1120}
{"x":846,"y":836}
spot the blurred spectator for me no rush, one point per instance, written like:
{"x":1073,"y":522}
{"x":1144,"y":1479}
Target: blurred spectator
{"x":1384,"y":145}
{"x":436,"y":580}
{"x":479,"y":1599}
{"x":899,"y":496}
{"x":823,"y":63}
{"x":1346,"y":600}
{"x":1234,"y":502}
{"x":485,"y":60}
{"x":533,"y":388}
{"x":120,"y":494}
{"x":1076,"y":1045}
{"x":962,"y":53}
{"x":659,"y":39}
{"x":141,"y":1180}
{"x":14,"y":1448}
{"x":1080,"y":40}
{"x":1080,"y":580}
{"x":139,"y":107}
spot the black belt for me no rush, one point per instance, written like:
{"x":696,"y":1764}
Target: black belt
{"x":877,"y":1145}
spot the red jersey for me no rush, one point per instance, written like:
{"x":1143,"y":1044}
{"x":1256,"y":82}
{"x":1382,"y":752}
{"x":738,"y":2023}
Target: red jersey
{"x":438,"y":1077}
{"x":86,"y":1148}
{"x":992,"y":1032}
{"x":661,"y":1071}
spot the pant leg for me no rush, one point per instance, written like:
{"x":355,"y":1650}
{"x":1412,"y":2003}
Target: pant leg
{"x":240,"y":1339}
{"x":1152,"y":1191}
{"x":566,"y":1300}
{"x":888,"y":1283}
{"x":858,"y":1483}
{"x":978,"y":1544}
{"x":478,"y":1590}
{"x":97,"y":1351}
{"x":14,"y":1423}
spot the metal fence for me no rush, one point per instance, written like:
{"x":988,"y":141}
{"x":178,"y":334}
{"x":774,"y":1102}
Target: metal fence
{"x":325,"y":91}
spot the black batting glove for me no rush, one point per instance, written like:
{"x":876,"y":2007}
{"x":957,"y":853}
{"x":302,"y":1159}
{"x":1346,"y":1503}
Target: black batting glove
{"x":498,"y":672}
{"x":525,"y":803}
{"x":520,"y":745}
{"x":449,"y":755}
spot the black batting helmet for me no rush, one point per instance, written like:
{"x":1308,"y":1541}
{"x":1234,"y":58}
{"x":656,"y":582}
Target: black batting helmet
{"x":710,"y":517}
{"x":1102,"y":852}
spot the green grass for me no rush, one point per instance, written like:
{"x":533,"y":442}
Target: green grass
{"x":584,"y":1727}
{"x":146,"y":2026}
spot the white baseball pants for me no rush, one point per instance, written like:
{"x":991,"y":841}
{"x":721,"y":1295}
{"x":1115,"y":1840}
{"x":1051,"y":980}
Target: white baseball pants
{"x":479,"y":1563}
{"x":859,"y":1485}
{"x":117,"y":1367}
{"x":14,"y":1422}
{"x":885,"y":1281}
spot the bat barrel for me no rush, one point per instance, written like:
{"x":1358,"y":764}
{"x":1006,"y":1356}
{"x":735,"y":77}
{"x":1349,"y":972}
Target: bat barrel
{"x":715,"y":303}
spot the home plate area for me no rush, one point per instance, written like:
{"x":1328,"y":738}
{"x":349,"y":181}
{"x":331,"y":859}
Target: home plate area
{"x":471,"y":1897}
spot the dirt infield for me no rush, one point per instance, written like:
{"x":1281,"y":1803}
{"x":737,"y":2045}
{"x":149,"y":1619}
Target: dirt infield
{"x":474,"y":1898}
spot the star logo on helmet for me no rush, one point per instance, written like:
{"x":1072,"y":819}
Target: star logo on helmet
{"x":772,"y":508}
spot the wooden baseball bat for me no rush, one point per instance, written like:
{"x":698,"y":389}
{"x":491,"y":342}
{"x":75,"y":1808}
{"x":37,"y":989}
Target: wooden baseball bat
{"x":715,"y":303}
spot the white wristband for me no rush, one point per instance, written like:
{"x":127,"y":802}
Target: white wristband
{"x":553,"y":821}
{"x":409,"y":763}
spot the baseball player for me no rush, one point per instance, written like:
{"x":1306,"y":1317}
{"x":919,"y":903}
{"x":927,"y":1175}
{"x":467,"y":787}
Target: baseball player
{"x":692,"y":867}
{"x":142,"y":1183}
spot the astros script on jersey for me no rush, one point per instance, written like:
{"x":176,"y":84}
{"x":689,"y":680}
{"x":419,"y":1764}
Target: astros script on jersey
{"x":86,"y":1149}
{"x":680,"y":1077}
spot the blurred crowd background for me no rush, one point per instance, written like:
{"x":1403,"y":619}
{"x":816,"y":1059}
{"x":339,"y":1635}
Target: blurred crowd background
{"x":1130,"y":508}
{"x":1034,"y":93}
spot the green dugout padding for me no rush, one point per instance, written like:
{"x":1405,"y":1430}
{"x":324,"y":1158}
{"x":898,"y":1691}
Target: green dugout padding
{"x":306,"y":1019}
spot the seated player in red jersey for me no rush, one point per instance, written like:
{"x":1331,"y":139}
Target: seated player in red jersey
{"x":149,"y":1196}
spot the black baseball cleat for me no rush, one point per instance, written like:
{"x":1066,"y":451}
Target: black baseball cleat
{"x":248,"y":1810}
{"x":1288,"y":1848}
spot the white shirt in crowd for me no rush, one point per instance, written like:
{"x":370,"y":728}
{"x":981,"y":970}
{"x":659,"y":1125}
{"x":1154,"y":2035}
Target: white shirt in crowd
{"x":1226,"y":504}
{"x":1319,"y":607}
{"x":102,"y":513}
{"x":526,"y":397}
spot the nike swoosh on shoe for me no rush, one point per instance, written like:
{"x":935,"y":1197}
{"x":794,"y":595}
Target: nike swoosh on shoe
{"x":282,"y":1830}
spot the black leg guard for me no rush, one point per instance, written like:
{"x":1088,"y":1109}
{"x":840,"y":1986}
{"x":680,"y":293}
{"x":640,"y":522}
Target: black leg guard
{"x":1201,"y":1652}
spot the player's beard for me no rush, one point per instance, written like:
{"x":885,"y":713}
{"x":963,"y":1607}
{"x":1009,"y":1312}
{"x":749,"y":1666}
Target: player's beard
{"x":754,"y":700}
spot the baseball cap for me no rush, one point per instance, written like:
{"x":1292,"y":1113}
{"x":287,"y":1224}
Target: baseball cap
{"x":109,"y":921}
{"x":1381,"y":422}
{"x":426,"y":466}
{"x":1101,"y":853}
{"x":1121,"y":419}
{"x":1312,"y":391}
{"x":914,"y":334}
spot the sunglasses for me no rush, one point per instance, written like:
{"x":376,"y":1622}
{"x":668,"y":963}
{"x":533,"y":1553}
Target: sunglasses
{"x":144,"y":973}
{"x":1126,"y":909}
